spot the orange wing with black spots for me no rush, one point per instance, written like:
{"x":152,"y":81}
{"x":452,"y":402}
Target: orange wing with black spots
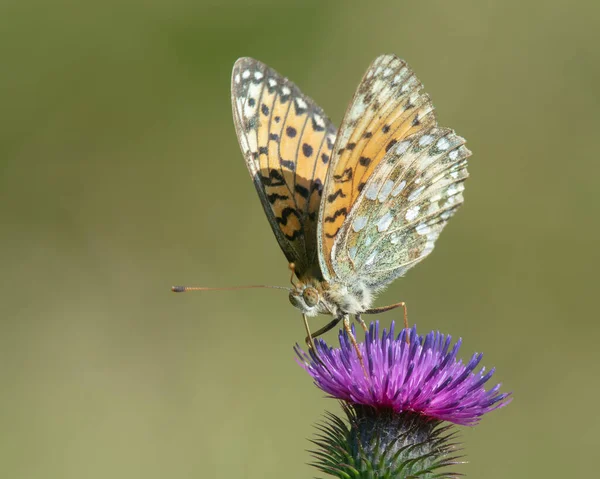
{"x":388,"y":106}
{"x":287,"y":142}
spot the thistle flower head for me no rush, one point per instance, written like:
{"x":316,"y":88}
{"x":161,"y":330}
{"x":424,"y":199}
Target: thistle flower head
{"x":421,"y":375}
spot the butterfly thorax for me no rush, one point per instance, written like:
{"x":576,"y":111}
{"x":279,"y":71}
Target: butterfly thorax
{"x":322,"y":297}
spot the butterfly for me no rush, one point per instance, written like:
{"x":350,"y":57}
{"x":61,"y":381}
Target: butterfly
{"x":355,"y":208}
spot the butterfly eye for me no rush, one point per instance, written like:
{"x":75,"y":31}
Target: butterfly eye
{"x":295,"y":299}
{"x":311,"y":297}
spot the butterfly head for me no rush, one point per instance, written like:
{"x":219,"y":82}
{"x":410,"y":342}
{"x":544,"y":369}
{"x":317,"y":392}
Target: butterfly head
{"x":306,"y":298}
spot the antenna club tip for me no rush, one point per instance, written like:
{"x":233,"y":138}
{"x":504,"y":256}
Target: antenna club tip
{"x":178,"y":289}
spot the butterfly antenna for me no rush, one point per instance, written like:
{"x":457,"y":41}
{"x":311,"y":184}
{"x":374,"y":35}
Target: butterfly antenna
{"x":185,"y":289}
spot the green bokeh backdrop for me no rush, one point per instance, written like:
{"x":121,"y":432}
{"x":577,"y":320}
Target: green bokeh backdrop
{"x":120,"y":174}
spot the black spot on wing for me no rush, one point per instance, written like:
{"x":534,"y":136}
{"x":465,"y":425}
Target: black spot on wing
{"x":317,"y":185}
{"x":290,"y":165}
{"x":302,"y":191}
{"x":332,"y":235}
{"x":283,"y":220}
{"x":331,"y":198}
{"x":344,"y":177}
{"x":274,"y":197}
{"x":307,"y":150}
{"x":274,"y":179}
{"x":297,"y":234}
{"x":390,"y":144}
{"x":285,"y":214}
{"x":340,"y":212}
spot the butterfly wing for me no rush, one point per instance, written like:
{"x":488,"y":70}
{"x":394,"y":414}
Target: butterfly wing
{"x":388,"y":106}
{"x":395,"y":179}
{"x":287,"y":142}
{"x":403,"y":208}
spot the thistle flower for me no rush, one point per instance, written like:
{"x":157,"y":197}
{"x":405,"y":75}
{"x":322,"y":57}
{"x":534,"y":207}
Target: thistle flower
{"x":395,"y":405}
{"x":421,"y":375}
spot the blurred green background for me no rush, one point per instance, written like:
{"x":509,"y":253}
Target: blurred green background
{"x":121,"y":175}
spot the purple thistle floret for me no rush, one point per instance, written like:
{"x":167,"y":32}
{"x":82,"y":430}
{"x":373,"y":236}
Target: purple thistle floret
{"x":422,"y":376}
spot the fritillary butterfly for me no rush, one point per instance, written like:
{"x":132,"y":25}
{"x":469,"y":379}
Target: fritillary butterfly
{"x":355,"y":209}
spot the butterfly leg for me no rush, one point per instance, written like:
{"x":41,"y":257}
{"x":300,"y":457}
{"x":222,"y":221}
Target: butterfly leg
{"x":354,"y":343}
{"x":329,"y":326}
{"x":310,"y":336}
{"x":361,"y":321}
{"x":383,"y":309}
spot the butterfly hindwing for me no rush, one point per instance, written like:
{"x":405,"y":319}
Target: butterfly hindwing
{"x":287,"y":142}
{"x":405,"y":205}
{"x":388,"y":106}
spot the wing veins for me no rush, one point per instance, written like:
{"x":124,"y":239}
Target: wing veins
{"x":298,"y":146}
{"x":323,"y":141}
{"x":373,"y":120}
{"x":390,"y":112}
{"x":294,"y":92}
{"x":283,"y":123}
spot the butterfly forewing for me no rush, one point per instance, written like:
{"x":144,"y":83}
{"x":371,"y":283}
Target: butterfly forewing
{"x":387,"y":107}
{"x":287,"y":142}
{"x":405,"y":205}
